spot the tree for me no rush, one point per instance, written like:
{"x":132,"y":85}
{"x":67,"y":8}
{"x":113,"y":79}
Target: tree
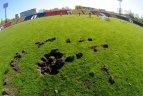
{"x":134,"y":16}
{"x":131,"y":15}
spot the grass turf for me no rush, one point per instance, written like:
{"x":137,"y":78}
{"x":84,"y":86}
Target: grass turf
{"x":123,"y":58}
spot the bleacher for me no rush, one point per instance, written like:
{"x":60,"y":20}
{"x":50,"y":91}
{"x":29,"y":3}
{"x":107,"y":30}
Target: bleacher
{"x":7,"y":25}
{"x":138,"y":23}
{"x":77,"y":11}
{"x":86,"y":12}
{"x":95,"y":13}
{"x":122,"y":17}
{"x":34,"y":16}
{"x":107,"y":14}
{"x":28,"y":18}
{"x":56,"y":12}
{"x":113,"y":15}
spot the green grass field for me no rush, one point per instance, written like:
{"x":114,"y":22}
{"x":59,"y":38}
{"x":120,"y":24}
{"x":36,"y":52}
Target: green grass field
{"x":87,"y":76}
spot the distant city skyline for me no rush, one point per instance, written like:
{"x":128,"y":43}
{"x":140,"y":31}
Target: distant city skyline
{"x":17,"y":6}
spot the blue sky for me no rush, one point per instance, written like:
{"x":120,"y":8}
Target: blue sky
{"x":17,"y":6}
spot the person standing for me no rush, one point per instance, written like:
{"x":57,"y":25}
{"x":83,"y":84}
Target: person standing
{"x":89,"y":15}
{"x":79,"y":13}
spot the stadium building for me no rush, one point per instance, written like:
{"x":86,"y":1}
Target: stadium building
{"x":84,"y":8}
{"x":27,"y":13}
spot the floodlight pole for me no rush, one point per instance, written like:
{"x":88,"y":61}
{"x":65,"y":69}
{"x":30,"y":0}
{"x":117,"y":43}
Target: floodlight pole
{"x":5,"y":16}
{"x":5,"y":5}
{"x":120,"y":9}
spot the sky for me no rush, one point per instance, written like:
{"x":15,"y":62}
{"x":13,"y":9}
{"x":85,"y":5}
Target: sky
{"x":17,"y":6}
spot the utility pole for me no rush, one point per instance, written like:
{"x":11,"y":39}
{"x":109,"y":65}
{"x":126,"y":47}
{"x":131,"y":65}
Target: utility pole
{"x":120,"y":9}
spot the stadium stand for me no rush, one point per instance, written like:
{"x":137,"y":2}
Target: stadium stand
{"x":40,"y":15}
{"x":122,"y":18}
{"x":86,"y":12}
{"x":104,"y":15}
{"x":7,"y":25}
{"x":28,"y":18}
{"x":137,"y":23}
{"x":77,"y":11}
{"x":95,"y":13}
{"x":34,"y":16}
{"x":56,"y":12}
{"x":107,"y":14}
{"x":113,"y":15}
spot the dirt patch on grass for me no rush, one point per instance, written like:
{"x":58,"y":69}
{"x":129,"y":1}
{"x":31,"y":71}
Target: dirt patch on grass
{"x":16,"y":58}
{"x":69,"y":59}
{"x":81,"y":40}
{"x":89,"y":39}
{"x":105,"y":70}
{"x":6,"y":81}
{"x":111,"y":80}
{"x":91,"y":74}
{"x":68,"y":41}
{"x":9,"y":92}
{"x":51,"y":39}
{"x":105,"y":46}
{"x":79,"y":55}
{"x":13,"y":62}
{"x":51,"y":63}
{"x":94,"y":48}
{"x":14,"y":65}
{"x":39,"y":44}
